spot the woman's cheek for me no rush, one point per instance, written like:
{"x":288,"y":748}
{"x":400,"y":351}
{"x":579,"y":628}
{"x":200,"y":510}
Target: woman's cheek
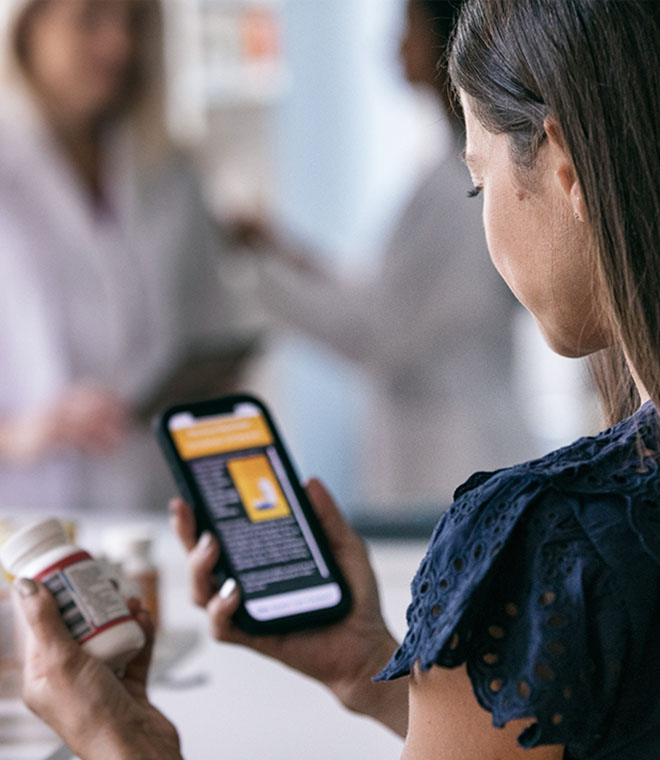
{"x":496,"y":240}
{"x":517,"y":244}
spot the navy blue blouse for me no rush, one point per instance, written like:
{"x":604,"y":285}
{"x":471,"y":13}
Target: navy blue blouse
{"x":545,"y":579}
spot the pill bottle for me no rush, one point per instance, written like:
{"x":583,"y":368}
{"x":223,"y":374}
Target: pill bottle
{"x":10,"y":680}
{"x":141,"y":572}
{"x":130,"y":548}
{"x":90,"y":605}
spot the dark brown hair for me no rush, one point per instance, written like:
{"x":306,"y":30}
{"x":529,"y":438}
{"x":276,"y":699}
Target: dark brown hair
{"x":593,"y":67}
{"x":442,"y":15}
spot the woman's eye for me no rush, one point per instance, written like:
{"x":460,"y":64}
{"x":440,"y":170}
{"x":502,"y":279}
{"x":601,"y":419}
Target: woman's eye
{"x":475,"y":191}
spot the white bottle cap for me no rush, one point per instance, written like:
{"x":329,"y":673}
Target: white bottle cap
{"x":120,"y":542}
{"x":31,"y":541}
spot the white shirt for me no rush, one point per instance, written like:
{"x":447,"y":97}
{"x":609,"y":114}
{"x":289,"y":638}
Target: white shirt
{"x":105,"y":298}
{"x":433,"y":328}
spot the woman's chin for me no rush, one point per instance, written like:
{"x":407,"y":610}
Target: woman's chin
{"x":572,"y":346}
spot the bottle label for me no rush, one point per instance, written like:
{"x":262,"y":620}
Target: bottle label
{"x":87,"y":600}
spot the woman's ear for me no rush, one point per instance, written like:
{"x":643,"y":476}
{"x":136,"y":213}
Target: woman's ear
{"x":565,"y":171}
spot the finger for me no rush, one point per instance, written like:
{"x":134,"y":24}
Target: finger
{"x":221,"y":608}
{"x":201,"y":561}
{"x":182,"y":520}
{"x":137,"y":671}
{"x":42,"y":615}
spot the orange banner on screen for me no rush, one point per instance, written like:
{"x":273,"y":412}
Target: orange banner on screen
{"x":220,"y":436}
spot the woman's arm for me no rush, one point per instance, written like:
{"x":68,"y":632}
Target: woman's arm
{"x":447,"y":723}
{"x":344,"y":656}
{"x":326,"y":307}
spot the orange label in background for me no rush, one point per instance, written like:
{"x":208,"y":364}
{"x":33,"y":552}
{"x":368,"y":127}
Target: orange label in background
{"x":220,"y":436}
{"x":258,"y":488}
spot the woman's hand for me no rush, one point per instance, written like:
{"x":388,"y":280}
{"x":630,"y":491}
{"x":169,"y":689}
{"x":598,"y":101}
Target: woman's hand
{"x":343,"y":656}
{"x":90,"y":419}
{"x":99,"y":716}
{"x":266,"y":241}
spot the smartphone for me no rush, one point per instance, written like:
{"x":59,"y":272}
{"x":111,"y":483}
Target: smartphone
{"x":230,"y":464}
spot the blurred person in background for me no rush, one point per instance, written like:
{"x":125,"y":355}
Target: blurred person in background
{"x":431,"y":326}
{"x":108,"y":260}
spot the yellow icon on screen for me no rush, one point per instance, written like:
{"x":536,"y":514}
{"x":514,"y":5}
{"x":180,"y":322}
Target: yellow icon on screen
{"x":258,"y":488}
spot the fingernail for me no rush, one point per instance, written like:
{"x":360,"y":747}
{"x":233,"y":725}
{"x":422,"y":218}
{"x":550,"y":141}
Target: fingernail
{"x":228,"y":588}
{"x":25,"y":587}
{"x":171,"y":507}
{"x":205,"y":541}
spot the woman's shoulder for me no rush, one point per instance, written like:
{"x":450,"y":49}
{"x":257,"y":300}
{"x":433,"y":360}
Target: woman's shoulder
{"x":621,"y":463}
{"x":532,"y":578}
{"x":594,"y":494}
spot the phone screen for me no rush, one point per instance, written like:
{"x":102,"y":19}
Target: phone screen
{"x":238,"y":468}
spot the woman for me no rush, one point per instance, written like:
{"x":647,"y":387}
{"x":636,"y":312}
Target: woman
{"x":533,"y":625}
{"x":438,"y":360}
{"x":103,"y":242}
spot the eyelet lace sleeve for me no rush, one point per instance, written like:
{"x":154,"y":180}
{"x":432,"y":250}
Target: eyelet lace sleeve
{"x":528,"y":603}
{"x":553,"y":646}
{"x":545,"y":580}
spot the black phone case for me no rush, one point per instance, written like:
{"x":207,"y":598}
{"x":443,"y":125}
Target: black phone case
{"x":189,"y":491}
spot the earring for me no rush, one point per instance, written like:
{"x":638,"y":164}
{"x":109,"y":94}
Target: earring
{"x":576,"y":214}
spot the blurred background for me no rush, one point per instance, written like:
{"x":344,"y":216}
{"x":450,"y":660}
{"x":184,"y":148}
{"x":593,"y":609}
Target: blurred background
{"x":203,"y":196}
{"x":319,"y":127}
{"x":158,"y":168}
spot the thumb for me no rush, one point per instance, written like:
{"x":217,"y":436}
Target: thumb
{"x":137,"y":671}
{"x":40,"y":611}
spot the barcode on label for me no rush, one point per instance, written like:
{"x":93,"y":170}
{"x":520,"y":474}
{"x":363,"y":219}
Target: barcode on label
{"x":69,"y":611}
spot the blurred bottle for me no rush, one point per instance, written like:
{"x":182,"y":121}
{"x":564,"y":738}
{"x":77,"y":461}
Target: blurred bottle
{"x":129,"y":551}
{"x":9,"y":656}
{"x":141,"y":573}
{"x":71,"y":529}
